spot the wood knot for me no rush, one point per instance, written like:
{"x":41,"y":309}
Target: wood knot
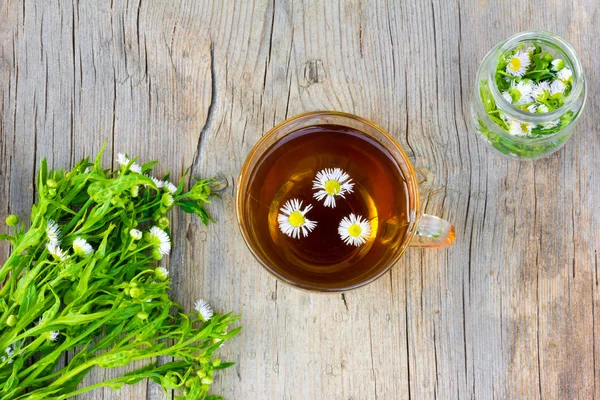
{"x":314,"y":72}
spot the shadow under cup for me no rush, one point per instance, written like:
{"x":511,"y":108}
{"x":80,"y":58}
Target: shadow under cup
{"x":253,"y":208}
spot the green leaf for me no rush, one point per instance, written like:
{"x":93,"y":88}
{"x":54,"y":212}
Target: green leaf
{"x":119,"y":359}
{"x":192,"y":207}
{"x":50,"y":313}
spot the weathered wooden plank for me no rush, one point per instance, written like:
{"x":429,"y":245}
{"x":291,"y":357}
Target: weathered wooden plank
{"x":508,"y":312}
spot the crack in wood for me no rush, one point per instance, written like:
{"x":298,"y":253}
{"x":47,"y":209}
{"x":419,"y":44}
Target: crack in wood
{"x":211,"y":113}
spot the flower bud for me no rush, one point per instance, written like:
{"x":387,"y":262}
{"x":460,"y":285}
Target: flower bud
{"x":51,"y":183}
{"x":12,"y":220}
{"x":205,"y":388}
{"x":167,"y":200}
{"x":11,"y":320}
{"x":163,"y":222}
{"x":207,"y":380}
{"x":134,"y":191}
{"x":132,"y":247}
{"x":558,"y":64}
{"x":204,"y":360}
{"x":172,"y":377}
{"x":51,"y":193}
{"x":135,"y":234}
{"x":216,"y":362}
{"x":156,"y":254}
{"x":161,"y":273}
{"x":135,"y":292}
{"x":142,"y":315}
{"x":192,"y":381}
{"x":201,"y":373}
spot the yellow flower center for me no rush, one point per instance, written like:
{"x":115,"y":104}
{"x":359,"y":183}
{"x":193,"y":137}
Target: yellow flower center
{"x":332,"y":187}
{"x":514,"y":64}
{"x":296,"y":219}
{"x":354,"y":230}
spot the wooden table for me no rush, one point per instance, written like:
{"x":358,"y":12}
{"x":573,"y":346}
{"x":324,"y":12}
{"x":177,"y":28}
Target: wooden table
{"x":508,"y":312}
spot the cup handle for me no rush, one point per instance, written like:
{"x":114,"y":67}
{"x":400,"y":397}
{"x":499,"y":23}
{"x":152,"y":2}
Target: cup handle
{"x":433,"y":232}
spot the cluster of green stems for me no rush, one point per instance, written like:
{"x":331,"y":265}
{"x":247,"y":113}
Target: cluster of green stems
{"x":107,"y":308}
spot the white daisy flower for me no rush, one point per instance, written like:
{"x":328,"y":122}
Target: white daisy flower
{"x":331,"y":182}
{"x":557,"y":64}
{"x":82,"y":248}
{"x":557,"y":86}
{"x":52,"y":335}
{"x":532,"y":108}
{"x":159,"y":184}
{"x":522,"y":91}
{"x":161,"y":273}
{"x":204,"y":310}
{"x":565,"y":74}
{"x":540,"y":91}
{"x":518,"y":128}
{"x":518,"y":63}
{"x":159,"y":239}
{"x":292,"y":220}
{"x":542,"y":109}
{"x":354,"y":230}
{"x":9,"y":352}
{"x":53,"y":232}
{"x":56,"y":252}
{"x":507,"y":96}
{"x":125,"y":161}
{"x":135,"y":234}
{"x":550,"y":124}
{"x":169,"y":187}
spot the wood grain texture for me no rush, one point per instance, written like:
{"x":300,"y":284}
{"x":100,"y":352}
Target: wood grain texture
{"x":508,"y":312}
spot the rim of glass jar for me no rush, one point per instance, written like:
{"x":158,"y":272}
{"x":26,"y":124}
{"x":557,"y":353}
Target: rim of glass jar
{"x":573,"y":60}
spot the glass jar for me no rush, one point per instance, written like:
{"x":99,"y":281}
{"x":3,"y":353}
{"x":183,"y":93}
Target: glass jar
{"x":492,"y":114}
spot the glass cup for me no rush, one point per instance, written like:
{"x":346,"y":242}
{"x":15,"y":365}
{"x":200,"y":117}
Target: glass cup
{"x":423,"y":230}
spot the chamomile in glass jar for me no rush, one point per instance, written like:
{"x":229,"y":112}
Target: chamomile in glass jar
{"x":529,"y":94}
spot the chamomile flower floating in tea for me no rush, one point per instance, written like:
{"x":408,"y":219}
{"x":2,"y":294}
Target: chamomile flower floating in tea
{"x":203,"y":309}
{"x":292,"y":220}
{"x":82,"y":248}
{"x":354,"y":230}
{"x":331,"y":182}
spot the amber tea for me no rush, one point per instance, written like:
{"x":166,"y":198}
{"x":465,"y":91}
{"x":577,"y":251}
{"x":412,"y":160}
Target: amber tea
{"x":327,"y":205}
